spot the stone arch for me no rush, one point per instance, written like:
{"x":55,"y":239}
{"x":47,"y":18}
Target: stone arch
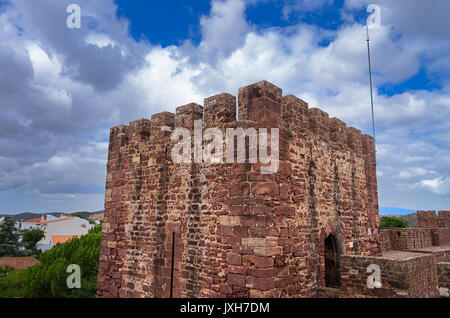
{"x":332,"y":261}
{"x":331,"y":249}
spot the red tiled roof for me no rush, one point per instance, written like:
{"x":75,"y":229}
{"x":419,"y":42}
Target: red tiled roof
{"x":62,"y":238}
{"x":63,"y":219}
{"x":18,"y":262}
{"x":38,"y":220}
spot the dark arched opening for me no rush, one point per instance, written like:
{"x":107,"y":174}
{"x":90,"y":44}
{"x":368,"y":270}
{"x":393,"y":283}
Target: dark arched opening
{"x":332,"y":273}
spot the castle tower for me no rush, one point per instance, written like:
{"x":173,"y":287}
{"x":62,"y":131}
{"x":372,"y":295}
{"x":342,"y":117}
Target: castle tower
{"x":239,"y":228}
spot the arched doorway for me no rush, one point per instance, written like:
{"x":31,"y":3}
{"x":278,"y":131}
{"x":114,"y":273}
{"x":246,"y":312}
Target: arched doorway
{"x":332,"y":273}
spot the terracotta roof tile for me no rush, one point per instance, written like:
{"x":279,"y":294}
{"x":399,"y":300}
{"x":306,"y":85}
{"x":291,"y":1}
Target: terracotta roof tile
{"x":18,"y":262}
{"x":62,"y":238}
{"x":38,"y":220}
{"x":64,"y":219}
{"x":35,"y":220}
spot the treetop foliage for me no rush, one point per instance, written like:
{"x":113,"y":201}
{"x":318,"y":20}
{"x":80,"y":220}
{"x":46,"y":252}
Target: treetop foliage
{"x":389,"y":222}
{"x":48,"y":278}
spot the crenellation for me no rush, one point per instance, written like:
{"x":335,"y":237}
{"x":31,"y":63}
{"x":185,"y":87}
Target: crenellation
{"x":186,"y":115}
{"x":139,"y":129}
{"x":118,"y":130}
{"x":445,"y":217}
{"x":429,"y":219}
{"x":258,"y":90}
{"x":319,"y":124}
{"x":318,"y":113}
{"x":260,"y":102}
{"x":354,"y":140}
{"x":292,"y":104}
{"x":294,"y":113}
{"x":338,"y":132}
{"x":139,"y":124}
{"x":163,"y":119}
{"x":219,"y":109}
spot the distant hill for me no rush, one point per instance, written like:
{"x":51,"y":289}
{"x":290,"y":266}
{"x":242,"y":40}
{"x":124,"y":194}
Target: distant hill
{"x":410,"y":219}
{"x":97,"y":215}
{"x":409,"y":216}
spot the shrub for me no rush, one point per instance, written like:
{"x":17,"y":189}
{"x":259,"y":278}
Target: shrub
{"x":14,"y":283}
{"x":4,"y":270}
{"x":389,"y":222}
{"x":29,"y":240}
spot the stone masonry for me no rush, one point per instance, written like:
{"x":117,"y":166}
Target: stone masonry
{"x":414,"y":262}
{"x":227,"y":230}
{"x":429,"y":219}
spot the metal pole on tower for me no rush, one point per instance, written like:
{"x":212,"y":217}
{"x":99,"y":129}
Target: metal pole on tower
{"x":371,"y":83}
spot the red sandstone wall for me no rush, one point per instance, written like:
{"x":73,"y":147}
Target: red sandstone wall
{"x":443,"y":270}
{"x":238,"y":233}
{"x":407,"y":239}
{"x":440,"y":236}
{"x":385,"y":240}
{"x":401,"y":277}
{"x":429,"y":219}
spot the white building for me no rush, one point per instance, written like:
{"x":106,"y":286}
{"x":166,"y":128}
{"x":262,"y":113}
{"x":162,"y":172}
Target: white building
{"x":58,"y":230}
{"x":39,"y":223}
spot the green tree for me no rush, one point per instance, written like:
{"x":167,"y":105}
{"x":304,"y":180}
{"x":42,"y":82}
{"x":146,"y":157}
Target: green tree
{"x":31,"y":237}
{"x":4,"y":270}
{"x":389,"y":222}
{"x":48,"y":278}
{"x":14,"y":284}
{"x":9,"y":238}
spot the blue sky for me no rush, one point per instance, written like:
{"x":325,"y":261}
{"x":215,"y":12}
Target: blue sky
{"x":168,"y":23}
{"x":61,"y":90}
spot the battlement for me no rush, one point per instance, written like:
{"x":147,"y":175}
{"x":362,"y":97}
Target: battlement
{"x":163,"y":119}
{"x":261,"y":105}
{"x":429,"y":219}
{"x":219,"y":109}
